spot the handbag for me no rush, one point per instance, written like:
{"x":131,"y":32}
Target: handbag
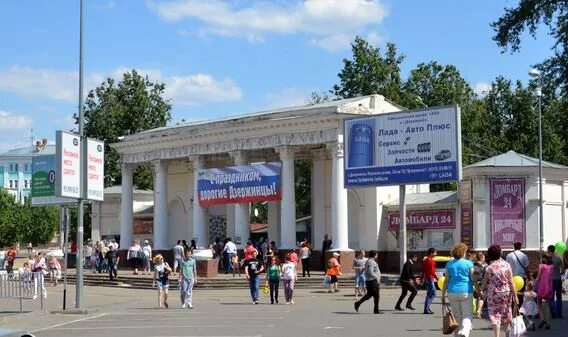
{"x":449,"y":323}
{"x":518,"y":327}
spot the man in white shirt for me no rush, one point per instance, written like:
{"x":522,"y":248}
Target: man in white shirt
{"x":178,"y":255}
{"x":519,"y":262}
{"x":231,"y":250}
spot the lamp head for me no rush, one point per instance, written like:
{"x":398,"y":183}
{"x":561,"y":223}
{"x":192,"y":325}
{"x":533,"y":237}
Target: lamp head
{"x":534,"y":73}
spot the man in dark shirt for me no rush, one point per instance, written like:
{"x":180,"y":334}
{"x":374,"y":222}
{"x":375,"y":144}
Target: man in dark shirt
{"x":325,"y":246}
{"x":253,"y":267}
{"x":112,"y":260}
{"x":407,"y":282}
{"x":556,"y":300}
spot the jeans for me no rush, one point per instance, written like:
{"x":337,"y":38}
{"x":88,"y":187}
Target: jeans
{"x":274,"y":284}
{"x":373,"y":289}
{"x":461,"y":307}
{"x":306,"y":267}
{"x":430,"y":294}
{"x":229,"y":264}
{"x":288,"y":290}
{"x":406,"y":287}
{"x":112,"y":271}
{"x":186,"y":292}
{"x":254,"y":283}
{"x":556,"y":300}
{"x":177,"y":262}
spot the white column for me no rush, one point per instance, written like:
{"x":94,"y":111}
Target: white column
{"x":126,"y":206}
{"x":288,"y":203}
{"x":242,"y":211}
{"x":200,"y":225}
{"x":274,"y":221}
{"x":160,"y":205}
{"x":96,"y":221}
{"x":318,"y":196}
{"x":339,"y":221}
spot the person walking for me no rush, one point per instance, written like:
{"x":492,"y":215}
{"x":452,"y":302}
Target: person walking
{"x":359,"y":268}
{"x":134,"y":255}
{"x":147,"y":257}
{"x":545,"y":291}
{"x":269,"y":254}
{"x":459,"y":288}
{"x":249,"y":250}
{"x":499,"y":290}
{"x":325,"y":246}
{"x":178,"y":254}
{"x":334,"y":271}
{"x":231,"y":250}
{"x":10,"y":258}
{"x":273,"y":279}
{"x":253,"y":267}
{"x":529,"y":309}
{"x":372,"y":283}
{"x":429,"y":276}
{"x":38,"y":268}
{"x":479,"y":268}
{"x":113,"y":259}
{"x":30,"y":248}
{"x":290,"y":276}
{"x":556,"y":300}
{"x":407,"y":283}
{"x":519,"y":262}
{"x":161,"y":280}
{"x":54,"y":270}
{"x":187,"y":279}
{"x":305,"y":254}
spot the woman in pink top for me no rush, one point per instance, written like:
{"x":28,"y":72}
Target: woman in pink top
{"x":544,"y":292}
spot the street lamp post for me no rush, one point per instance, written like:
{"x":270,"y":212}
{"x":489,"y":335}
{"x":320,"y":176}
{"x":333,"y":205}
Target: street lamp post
{"x":536,"y":74}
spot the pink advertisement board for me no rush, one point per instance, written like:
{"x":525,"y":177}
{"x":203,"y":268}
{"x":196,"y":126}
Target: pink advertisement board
{"x":507,"y":211}
{"x":433,"y":219}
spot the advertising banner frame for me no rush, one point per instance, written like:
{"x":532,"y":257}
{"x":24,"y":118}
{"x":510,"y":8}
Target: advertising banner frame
{"x":95,"y":169}
{"x":44,"y":173}
{"x":440,"y":167}
{"x":508,"y":218}
{"x":68,"y":151}
{"x":229,"y":185}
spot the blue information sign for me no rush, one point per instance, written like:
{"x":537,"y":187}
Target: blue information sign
{"x":408,"y":147}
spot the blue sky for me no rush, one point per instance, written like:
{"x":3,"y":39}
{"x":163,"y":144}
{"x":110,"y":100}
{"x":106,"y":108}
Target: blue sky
{"x":221,"y":58}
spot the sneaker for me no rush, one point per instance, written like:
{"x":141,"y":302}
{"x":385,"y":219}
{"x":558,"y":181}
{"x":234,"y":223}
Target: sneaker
{"x":330,"y":291}
{"x":398,"y":308}
{"x":287,"y":303}
{"x":292,"y":302}
{"x":183,"y":306}
{"x":356,"y":306}
{"x":190,"y":306}
{"x":35,"y":297}
{"x":336,"y":290}
{"x":410,"y":307}
{"x":255,"y":302}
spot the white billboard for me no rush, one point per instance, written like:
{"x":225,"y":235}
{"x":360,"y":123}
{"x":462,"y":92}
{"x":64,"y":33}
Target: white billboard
{"x":95,"y":169}
{"x":68,"y":165}
{"x":407,"y":147}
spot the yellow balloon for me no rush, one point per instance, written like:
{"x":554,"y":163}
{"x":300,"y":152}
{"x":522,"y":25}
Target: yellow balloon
{"x":519,"y":283}
{"x":441,"y":281}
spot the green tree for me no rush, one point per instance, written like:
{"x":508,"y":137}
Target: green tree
{"x":531,"y":15}
{"x":43,"y":223}
{"x":9,"y":229}
{"x":114,"y":109}
{"x":369,"y":72}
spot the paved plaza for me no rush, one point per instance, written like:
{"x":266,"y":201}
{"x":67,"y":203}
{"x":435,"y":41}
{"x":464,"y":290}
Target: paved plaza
{"x":130,"y":312}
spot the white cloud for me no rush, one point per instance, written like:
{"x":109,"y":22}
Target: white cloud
{"x":481,"y":89}
{"x":66,"y":123}
{"x":329,"y":20}
{"x":11,"y":122}
{"x":63,"y":85}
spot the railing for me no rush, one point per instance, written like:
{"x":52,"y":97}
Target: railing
{"x":22,"y":286}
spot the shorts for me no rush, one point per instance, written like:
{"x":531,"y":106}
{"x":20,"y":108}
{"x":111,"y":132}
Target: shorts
{"x":360,"y":281}
{"x":161,"y":286}
{"x":333,"y":279}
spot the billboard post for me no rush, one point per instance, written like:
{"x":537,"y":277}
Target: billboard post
{"x":400,"y":148}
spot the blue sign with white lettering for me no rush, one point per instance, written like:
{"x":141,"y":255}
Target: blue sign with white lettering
{"x":409,"y":147}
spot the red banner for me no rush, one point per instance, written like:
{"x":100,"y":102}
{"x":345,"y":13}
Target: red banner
{"x":433,"y":219}
{"x":507,"y":212}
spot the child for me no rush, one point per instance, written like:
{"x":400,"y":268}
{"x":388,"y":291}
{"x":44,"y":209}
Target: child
{"x":26,"y":276}
{"x":236,"y":264}
{"x":529,"y":308}
{"x":54,"y":270}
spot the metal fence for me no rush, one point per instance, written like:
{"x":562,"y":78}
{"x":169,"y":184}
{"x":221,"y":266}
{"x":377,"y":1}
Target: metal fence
{"x":22,"y":286}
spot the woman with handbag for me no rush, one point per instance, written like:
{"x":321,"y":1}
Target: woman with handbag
{"x":162,"y":271}
{"x":458,"y":286}
{"x":499,"y":290}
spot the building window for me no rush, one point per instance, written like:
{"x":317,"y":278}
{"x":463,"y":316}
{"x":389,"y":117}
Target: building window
{"x":26,"y":168}
{"x":16,"y":167}
{"x":25,"y":184}
{"x":440,"y":239}
{"x":11,"y":184}
{"x":15,"y":184}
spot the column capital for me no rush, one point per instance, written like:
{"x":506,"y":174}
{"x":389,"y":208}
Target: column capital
{"x":286,"y":152}
{"x":336,"y":149}
{"x":127,"y":168}
{"x":319,"y":154}
{"x":197,"y":162}
{"x":239,"y":157}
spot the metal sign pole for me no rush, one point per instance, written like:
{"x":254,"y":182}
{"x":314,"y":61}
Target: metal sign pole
{"x":402,"y":230}
{"x":67,"y":221}
{"x":83,"y":173}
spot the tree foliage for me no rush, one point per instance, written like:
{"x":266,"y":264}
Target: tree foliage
{"x":23,"y":223}
{"x":530,"y":15}
{"x":114,"y":109}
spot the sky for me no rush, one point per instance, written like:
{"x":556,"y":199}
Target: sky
{"x":221,"y":58}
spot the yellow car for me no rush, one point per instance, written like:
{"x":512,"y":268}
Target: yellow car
{"x":441,"y":262}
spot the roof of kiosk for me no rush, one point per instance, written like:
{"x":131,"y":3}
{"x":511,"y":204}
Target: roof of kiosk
{"x":514,"y":159}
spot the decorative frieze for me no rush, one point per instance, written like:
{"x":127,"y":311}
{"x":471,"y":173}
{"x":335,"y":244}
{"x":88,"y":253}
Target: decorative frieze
{"x":272,"y":141}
